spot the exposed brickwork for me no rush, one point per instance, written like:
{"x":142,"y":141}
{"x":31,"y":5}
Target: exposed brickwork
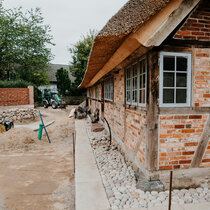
{"x":202,"y":78}
{"x":178,"y":139}
{"x":197,"y":26}
{"x":119,"y":87}
{"x":14,"y":96}
{"x":141,"y":152}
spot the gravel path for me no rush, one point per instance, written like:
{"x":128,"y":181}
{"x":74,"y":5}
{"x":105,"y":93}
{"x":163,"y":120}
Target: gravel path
{"x":120,"y":184}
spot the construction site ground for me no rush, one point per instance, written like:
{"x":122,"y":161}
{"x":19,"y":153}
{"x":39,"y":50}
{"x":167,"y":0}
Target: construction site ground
{"x":34,"y":174}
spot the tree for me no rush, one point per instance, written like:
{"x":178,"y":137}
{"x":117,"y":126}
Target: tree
{"x":80,"y":55}
{"x":63,"y":81}
{"x":23,"y":45}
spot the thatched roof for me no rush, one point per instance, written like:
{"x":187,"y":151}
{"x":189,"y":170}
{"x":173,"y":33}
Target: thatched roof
{"x":129,"y":18}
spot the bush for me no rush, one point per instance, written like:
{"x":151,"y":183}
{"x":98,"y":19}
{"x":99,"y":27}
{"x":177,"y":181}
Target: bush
{"x":73,"y":100}
{"x":22,"y":84}
{"x":14,"y":84}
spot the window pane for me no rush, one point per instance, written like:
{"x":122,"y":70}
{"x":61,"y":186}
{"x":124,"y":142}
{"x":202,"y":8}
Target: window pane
{"x":144,"y":80}
{"x":181,"y":80}
{"x":128,"y":84}
{"x":169,"y":63}
{"x":135,"y":96}
{"x":181,"y":96}
{"x":135,"y":82}
{"x":143,"y":96}
{"x":168,"y":95}
{"x":128,"y":96}
{"x":181,"y":64}
{"x":140,"y":96}
{"x":140,"y":82}
{"x":168,"y":79}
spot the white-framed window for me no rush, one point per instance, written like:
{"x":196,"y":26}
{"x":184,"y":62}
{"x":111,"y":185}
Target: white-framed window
{"x":109,"y":89}
{"x":175,"y":79}
{"x":96,"y":91}
{"x":136,"y":77}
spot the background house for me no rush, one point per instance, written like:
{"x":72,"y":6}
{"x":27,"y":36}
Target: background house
{"x":148,"y":74}
{"x":52,"y":69}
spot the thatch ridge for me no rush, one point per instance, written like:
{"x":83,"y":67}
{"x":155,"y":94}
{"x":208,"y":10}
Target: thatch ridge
{"x":129,"y":18}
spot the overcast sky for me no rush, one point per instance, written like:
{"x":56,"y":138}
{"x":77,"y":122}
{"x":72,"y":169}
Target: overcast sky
{"x":69,"y":19}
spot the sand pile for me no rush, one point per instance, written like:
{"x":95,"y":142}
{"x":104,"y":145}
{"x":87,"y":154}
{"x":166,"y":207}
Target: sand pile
{"x":25,"y":138}
{"x":17,"y":138}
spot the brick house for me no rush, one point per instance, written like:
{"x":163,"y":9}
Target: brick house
{"x":149,"y":75}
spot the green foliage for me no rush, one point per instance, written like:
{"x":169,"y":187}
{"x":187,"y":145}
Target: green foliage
{"x":14,"y":84}
{"x":63,"y":81}
{"x":23,"y":45}
{"x":80,"y":55}
{"x":22,"y":84}
{"x":73,"y":100}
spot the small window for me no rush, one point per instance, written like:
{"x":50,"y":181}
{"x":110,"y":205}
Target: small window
{"x":96,"y":92}
{"x":136,"y":83}
{"x":175,"y":79}
{"x":109,"y":89}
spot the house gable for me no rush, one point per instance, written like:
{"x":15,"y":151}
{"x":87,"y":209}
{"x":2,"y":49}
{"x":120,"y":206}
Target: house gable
{"x":197,"y":25}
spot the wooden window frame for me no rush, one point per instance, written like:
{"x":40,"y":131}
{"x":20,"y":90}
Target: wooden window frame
{"x":131,"y":102}
{"x":189,"y":76}
{"x":109,"y":89}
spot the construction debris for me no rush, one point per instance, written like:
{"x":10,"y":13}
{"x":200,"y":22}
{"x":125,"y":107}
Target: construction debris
{"x":80,"y":113}
{"x":95,"y":116}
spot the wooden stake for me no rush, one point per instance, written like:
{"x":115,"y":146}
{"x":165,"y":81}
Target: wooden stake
{"x":73,"y":135}
{"x":170,"y":190}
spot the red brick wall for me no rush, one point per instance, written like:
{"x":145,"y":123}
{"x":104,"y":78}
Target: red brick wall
{"x":119,"y":92}
{"x":135,"y":132}
{"x":14,"y":96}
{"x":197,"y":26}
{"x":127,"y":124}
{"x":202,"y":78}
{"x":178,"y":139}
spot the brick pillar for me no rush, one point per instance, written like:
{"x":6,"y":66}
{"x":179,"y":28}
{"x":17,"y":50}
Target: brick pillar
{"x":31,"y":94}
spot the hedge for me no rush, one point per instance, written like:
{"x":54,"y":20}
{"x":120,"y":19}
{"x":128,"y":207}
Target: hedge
{"x":22,"y":84}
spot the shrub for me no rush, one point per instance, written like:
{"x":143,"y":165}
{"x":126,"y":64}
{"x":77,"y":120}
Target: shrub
{"x":73,"y":100}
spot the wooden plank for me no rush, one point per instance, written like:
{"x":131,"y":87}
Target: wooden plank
{"x":198,"y":156}
{"x":152,"y":112}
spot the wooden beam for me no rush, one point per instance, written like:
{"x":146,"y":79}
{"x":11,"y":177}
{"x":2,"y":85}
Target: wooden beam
{"x":152,"y":112}
{"x":136,"y":40}
{"x":171,"y":22}
{"x":146,"y":32}
{"x":128,"y":46}
{"x":198,"y":156}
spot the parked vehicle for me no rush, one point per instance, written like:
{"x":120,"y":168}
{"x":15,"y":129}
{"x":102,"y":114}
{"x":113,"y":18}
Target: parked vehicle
{"x":51,"y":98}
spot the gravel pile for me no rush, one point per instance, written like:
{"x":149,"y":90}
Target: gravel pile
{"x":120,"y":184}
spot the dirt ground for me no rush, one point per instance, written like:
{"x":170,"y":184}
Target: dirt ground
{"x":36,"y":175}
